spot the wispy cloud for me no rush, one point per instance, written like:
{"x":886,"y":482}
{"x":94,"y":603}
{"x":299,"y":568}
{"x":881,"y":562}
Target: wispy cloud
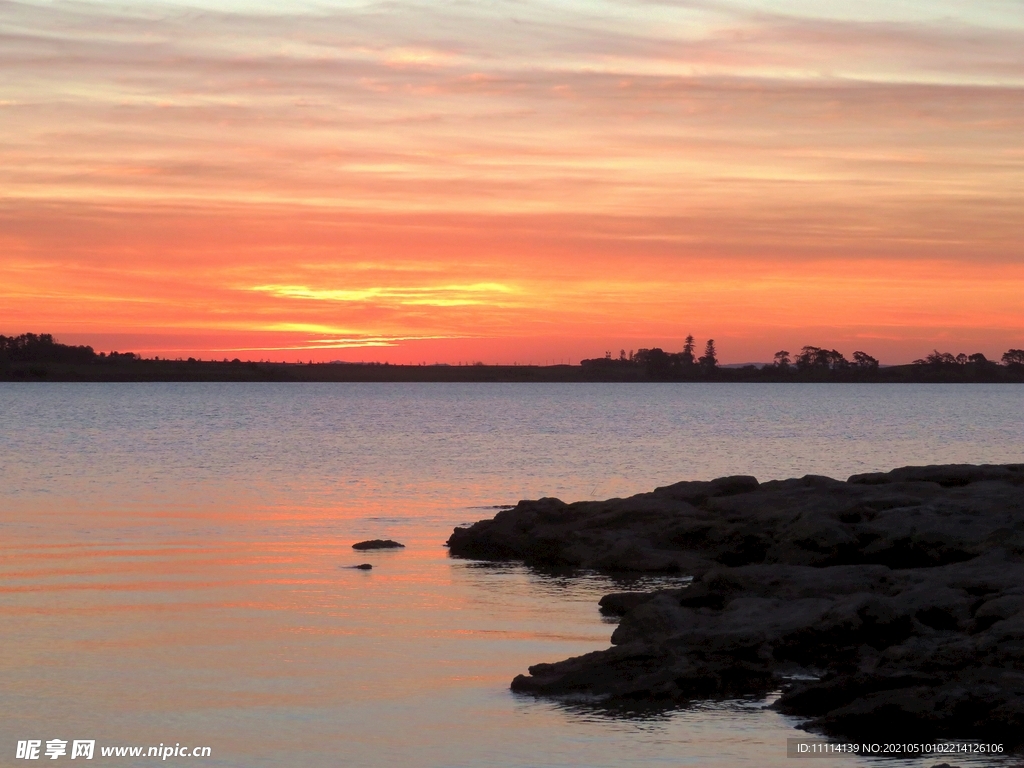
{"x":335,"y":342}
{"x":428,"y":296}
{"x":495,"y":108}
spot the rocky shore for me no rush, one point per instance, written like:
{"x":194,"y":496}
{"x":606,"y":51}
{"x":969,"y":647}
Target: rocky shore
{"x":890,"y":605}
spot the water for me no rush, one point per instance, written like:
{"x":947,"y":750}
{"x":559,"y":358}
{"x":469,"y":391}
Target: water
{"x":174,"y":558}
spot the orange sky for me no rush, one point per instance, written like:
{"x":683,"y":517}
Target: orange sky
{"x":512,"y":182}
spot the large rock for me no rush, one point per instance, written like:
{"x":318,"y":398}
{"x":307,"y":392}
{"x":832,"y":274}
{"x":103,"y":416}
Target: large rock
{"x":911,"y":517}
{"x":891,"y":605}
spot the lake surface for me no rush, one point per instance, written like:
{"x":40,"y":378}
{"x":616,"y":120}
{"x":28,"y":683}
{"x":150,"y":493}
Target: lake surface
{"x":174,"y":558}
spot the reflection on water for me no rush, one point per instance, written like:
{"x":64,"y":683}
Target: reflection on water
{"x":577,"y":580}
{"x":651,"y":714}
{"x":175,"y":558}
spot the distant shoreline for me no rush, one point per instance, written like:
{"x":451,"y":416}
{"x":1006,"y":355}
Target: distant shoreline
{"x":40,"y":357}
{"x":142,"y":370}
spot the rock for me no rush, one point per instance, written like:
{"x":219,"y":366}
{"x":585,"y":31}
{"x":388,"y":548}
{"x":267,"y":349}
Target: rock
{"x":363,"y":566}
{"x":946,"y":475}
{"x":888,"y":606}
{"x":378,"y":544}
{"x":620,"y":603}
{"x":919,"y":516}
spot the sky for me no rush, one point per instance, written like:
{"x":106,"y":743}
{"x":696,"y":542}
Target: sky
{"x":523,"y":181}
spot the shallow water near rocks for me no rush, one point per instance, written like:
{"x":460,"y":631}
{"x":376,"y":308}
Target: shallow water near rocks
{"x":176,"y":559}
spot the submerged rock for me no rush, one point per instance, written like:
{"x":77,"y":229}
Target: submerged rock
{"x":887,"y":606}
{"x":378,"y":544}
{"x":362,"y":567}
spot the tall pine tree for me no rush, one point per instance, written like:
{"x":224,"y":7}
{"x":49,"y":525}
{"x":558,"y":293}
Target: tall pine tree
{"x":710,"y":360}
{"x":687,"y":354}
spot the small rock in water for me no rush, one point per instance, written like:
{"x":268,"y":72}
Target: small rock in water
{"x":363,"y":566}
{"x":377,"y":544}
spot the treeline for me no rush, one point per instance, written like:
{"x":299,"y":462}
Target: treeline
{"x":43,"y":348}
{"x":659,"y":364}
{"x":656,"y":363}
{"x":816,"y":363}
{"x":820,"y":359}
{"x":810,"y":364}
{"x":41,"y":357}
{"x":939,"y":359}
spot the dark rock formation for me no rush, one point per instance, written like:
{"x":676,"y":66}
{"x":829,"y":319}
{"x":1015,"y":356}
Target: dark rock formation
{"x":887,"y":606}
{"x":621,"y":603}
{"x":363,"y":567}
{"x":378,"y":544}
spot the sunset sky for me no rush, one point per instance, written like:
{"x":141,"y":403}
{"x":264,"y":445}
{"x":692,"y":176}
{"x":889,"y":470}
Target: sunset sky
{"x":522,"y":181}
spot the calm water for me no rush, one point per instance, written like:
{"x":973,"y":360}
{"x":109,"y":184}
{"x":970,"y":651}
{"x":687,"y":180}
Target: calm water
{"x":174,"y":558}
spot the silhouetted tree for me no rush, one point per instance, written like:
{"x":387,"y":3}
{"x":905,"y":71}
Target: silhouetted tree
{"x":656,"y":362}
{"x":937,"y":359}
{"x":809,"y":357}
{"x":822,"y":359}
{"x":1013,"y":357}
{"x":865,"y":361}
{"x":709,"y":361}
{"x":686,"y":357}
{"x":782,"y":360}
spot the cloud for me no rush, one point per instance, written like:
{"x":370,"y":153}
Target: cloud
{"x":374,"y":173}
{"x":428,"y":296}
{"x":346,"y":339}
{"x":505,"y":107}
